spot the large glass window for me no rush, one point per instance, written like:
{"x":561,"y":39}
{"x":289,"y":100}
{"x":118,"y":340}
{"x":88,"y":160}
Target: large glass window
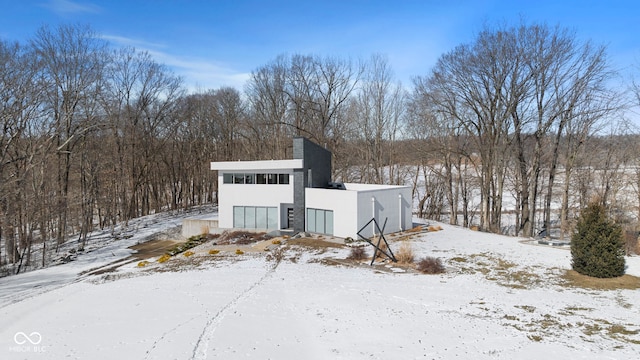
{"x":261,"y":178}
{"x":320,"y":221}
{"x":255,"y":217}
{"x":272,"y":178}
{"x":238,"y":217}
{"x":249,"y":178}
{"x":250,"y":217}
{"x":261,"y":218}
{"x":328,"y":222}
{"x":227,"y":178}
{"x":311,"y":220}
{"x":272,"y":218}
{"x":283,"y":178}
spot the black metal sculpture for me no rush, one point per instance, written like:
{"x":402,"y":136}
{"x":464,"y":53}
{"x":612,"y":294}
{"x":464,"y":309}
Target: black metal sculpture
{"x":377,"y":248}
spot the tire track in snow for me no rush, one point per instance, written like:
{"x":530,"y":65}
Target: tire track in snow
{"x":201,"y":348}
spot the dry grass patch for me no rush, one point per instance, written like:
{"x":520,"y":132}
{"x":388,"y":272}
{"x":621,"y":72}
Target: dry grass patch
{"x":314,"y":243}
{"x":575,"y":279}
{"x":241,"y":238}
{"x":405,"y":254}
{"x":415,"y":229}
{"x":433,"y":228}
{"x":383,"y":248}
{"x":152,"y":248}
{"x":495,"y":268}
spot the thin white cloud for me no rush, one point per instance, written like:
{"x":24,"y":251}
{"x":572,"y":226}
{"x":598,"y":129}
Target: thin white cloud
{"x":136,"y":43}
{"x":64,"y":7}
{"x":198,"y":74}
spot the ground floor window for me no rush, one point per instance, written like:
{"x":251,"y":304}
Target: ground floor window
{"x":320,"y":221}
{"x":255,"y":217}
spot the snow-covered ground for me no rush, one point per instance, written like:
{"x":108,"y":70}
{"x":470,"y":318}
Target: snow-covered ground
{"x":499,"y":299}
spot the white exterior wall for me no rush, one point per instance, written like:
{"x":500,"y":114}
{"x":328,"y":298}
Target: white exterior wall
{"x":343,"y":204}
{"x":230,"y":195}
{"x":353,"y":208}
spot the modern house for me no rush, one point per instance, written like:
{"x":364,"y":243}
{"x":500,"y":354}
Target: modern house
{"x":298,"y":194}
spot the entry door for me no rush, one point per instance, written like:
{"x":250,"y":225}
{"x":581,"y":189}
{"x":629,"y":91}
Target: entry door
{"x":289,"y":218}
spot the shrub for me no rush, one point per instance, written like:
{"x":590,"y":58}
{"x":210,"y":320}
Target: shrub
{"x":143,"y":263}
{"x":188,"y":253}
{"x":213,"y":251}
{"x":164,"y":258}
{"x":404,"y":255}
{"x":357,"y":253}
{"x":276,"y":242}
{"x":597,"y":246}
{"x":430,"y":265}
{"x":239,"y":252}
{"x":189,"y":244}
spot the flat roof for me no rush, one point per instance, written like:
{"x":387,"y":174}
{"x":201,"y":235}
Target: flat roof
{"x":365,"y":187}
{"x":257,"y":165}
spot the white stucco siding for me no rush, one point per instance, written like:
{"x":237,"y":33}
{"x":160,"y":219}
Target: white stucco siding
{"x":269,"y":195}
{"x":341,"y":202}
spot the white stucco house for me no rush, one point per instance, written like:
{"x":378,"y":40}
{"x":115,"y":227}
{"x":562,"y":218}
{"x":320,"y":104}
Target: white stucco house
{"x":298,"y":194}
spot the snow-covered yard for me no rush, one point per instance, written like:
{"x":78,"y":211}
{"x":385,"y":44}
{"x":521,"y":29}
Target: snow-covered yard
{"x":500,"y":298}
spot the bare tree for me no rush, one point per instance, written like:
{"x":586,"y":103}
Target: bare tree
{"x":72,"y":60}
{"x":517,"y":89}
{"x":22,"y":144}
{"x":472,"y":83}
{"x":269,"y":103}
{"x":141,"y":101}
{"x":381,"y":108}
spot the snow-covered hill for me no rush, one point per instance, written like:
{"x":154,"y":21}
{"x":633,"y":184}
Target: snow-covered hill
{"x":500,"y":298}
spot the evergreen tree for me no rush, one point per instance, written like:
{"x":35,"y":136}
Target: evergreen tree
{"x":597,"y":246}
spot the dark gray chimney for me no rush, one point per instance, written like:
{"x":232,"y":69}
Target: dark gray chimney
{"x":316,"y":173}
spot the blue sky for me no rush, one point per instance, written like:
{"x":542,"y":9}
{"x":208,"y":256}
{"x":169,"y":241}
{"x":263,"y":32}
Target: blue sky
{"x":218,"y":43}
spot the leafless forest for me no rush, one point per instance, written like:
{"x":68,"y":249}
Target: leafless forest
{"x":521,"y":127}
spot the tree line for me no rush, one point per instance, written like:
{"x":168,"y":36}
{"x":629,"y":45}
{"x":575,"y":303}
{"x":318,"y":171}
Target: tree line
{"x":95,"y":135}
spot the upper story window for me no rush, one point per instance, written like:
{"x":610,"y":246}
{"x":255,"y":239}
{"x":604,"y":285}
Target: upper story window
{"x":251,"y":178}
